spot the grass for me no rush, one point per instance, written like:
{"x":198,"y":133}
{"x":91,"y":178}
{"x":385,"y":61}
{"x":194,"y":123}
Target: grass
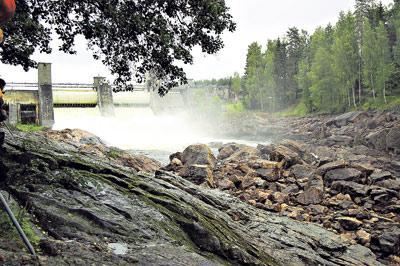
{"x":298,"y":110}
{"x":8,"y":230}
{"x":114,"y":153}
{"x":379,"y":104}
{"x":29,"y":127}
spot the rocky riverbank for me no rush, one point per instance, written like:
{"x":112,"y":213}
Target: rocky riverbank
{"x":342,"y":173}
{"x":88,"y":204}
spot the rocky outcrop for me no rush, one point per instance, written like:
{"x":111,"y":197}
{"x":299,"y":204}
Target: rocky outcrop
{"x":350,"y":192}
{"x":91,"y":210}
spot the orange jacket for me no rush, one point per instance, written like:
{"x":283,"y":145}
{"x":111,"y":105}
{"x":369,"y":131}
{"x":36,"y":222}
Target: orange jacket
{"x":7,"y":10}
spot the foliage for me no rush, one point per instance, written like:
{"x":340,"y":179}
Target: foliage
{"x":297,"y":110}
{"x":234,"y":109}
{"x":131,"y":37}
{"x":8,"y":230}
{"x":29,"y":127}
{"x":337,"y":68}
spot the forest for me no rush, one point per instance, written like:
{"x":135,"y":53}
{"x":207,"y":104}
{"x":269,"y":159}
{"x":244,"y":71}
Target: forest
{"x":350,"y":65}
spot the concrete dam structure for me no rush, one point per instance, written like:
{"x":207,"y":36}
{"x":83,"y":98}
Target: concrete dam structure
{"x":33,"y":103}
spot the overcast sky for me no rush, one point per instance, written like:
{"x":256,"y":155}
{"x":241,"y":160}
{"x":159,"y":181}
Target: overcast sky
{"x":257,"y":20}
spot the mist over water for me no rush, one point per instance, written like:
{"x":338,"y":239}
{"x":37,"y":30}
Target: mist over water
{"x":139,"y":129}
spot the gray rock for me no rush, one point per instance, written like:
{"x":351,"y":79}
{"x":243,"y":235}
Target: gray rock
{"x":342,"y":174}
{"x":351,"y":188}
{"x":388,"y":242}
{"x":393,"y":139}
{"x":198,"y":154}
{"x":86,"y":203}
{"x":379,"y":175}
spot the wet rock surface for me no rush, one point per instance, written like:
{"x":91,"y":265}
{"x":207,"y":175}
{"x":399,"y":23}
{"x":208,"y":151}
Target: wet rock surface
{"x":342,"y":173}
{"x":97,"y":210}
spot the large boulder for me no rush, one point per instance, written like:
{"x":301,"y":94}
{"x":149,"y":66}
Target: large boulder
{"x":313,"y":192}
{"x":393,"y":139}
{"x":342,"y":174}
{"x":352,"y":188}
{"x":198,"y":154}
{"x":244,"y":153}
{"x":227,"y":150}
{"x":198,"y":174}
{"x":345,"y":119}
{"x":387,"y":242}
{"x":377,"y":139}
{"x":323,"y":169}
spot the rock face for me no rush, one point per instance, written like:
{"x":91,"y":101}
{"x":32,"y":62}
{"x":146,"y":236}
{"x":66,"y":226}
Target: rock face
{"x":96,"y":211}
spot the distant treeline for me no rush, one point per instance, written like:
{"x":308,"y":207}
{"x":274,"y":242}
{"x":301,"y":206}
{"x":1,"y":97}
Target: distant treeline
{"x":355,"y":63}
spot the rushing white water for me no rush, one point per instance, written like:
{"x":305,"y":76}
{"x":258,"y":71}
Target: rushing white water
{"x":138,"y":129}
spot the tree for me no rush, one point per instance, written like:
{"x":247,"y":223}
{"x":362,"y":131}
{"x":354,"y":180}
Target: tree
{"x":363,"y":8}
{"x":252,"y":77}
{"x":280,"y":72}
{"x":131,"y":37}
{"x":295,"y":49}
{"x":236,"y":85}
{"x":384,"y":65}
{"x":345,"y":56}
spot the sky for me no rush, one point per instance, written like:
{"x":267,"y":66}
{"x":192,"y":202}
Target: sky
{"x":257,"y":20}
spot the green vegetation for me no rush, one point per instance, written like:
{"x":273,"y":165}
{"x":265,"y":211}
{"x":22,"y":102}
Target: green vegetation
{"x":10,"y":233}
{"x":168,"y":32}
{"x":114,"y":153}
{"x":29,"y":127}
{"x":354,"y":64}
{"x":298,"y":110}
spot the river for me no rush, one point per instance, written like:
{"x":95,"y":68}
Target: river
{"x":139,"y":130}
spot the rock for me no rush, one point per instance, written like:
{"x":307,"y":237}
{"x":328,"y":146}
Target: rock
{"x":225,"y":184}
{"x":389,"y":184}
{"x":244,"y":153}
{"x":377,"y":139}
{"x":301,"y":171}
{"x":380,"y":175}
{"x":199,"y":154}
{"x":388,"y":242}
{"x":279,"y":197}
{"x":349,"y":223}
{"x":198,"y":174}
{"x":227,"y":150}
{"x":345,"y":119}
{"x":393,"y":139}
{"x":176,"y":162}
{"x":49,"y":248}
{"x":352,"y":188}
{"x":312,"y":195}
{"x":284,"y":154}
{"x":322,"y":170}
{"x":177,"y":155}
{"x":363,"y":237}
{"x":342,"y":174}
{"x":313,"y":191}
{"x":87,"y":202}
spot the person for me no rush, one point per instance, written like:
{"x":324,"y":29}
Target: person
{"x":3,"y":113}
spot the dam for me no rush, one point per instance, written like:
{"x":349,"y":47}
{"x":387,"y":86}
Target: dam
{"x":34,"y":103}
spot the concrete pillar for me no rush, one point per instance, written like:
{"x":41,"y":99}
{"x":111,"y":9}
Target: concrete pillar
{"x":14,"y":113}
{"x":46,"y":111}
{"x":104,"y":96}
